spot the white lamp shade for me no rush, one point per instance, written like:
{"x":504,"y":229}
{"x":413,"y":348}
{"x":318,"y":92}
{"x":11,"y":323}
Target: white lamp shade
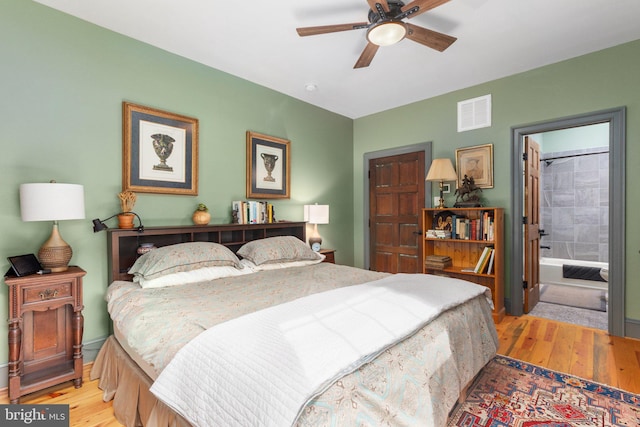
{"x":316,"y":214}
{"x":51,"y":201}
{"x":441,"y":170}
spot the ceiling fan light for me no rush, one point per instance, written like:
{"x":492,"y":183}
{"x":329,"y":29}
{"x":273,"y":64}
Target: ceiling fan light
{"x":387,"y":33}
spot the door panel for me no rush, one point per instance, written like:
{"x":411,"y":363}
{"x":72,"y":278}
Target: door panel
{"x":532,"y":225}
{"x":396,"y":197}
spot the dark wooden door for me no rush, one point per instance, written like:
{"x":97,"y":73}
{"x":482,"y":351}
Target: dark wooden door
{"x":396,"y":199}
{"x":532,"y":224}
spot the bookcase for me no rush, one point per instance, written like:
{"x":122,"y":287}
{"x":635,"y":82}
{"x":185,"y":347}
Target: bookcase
{"x":462,"y":235}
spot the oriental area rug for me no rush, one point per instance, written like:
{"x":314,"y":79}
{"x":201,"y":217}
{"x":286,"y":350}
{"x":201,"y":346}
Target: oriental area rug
{"x":509,"y":392}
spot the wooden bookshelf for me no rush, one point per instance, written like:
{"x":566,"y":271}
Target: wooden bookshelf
{"x":465,"y":252}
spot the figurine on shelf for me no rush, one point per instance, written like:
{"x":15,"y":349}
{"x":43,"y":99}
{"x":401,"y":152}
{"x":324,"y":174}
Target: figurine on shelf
{"x":466,"y":195}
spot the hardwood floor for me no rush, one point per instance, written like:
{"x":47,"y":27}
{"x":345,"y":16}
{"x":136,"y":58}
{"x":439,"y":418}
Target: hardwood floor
{"x":588,"y":353}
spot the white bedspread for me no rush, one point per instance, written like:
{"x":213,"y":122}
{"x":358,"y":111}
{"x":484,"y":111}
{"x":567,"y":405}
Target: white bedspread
{"x":262,"y":368}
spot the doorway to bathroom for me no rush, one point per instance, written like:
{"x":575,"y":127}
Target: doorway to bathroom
{"x":519,"y":286}
{"x":573,"y":229}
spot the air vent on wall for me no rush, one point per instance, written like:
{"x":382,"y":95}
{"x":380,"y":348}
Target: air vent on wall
{"x":474,"y":113}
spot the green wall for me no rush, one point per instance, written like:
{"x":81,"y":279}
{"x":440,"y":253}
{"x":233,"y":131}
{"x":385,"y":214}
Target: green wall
{"x":594,"y":82}
{"x":63,"y":83}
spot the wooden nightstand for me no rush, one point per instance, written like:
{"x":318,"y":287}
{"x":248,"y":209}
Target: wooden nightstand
{"x":329,"y":255}
{"x":45,"y":331}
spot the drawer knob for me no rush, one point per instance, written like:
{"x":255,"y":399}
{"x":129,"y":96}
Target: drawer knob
{"x":48,"y":294}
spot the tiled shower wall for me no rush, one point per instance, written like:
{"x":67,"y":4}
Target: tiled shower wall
{"x":575,"y":204}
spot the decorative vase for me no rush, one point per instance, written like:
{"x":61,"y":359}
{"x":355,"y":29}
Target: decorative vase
{"x":201,"y":217}
{"x":145,"y":247}
{"x":125,"y":220}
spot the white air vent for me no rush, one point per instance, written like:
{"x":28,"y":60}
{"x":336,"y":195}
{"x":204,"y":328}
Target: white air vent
{"x":474,"y":113}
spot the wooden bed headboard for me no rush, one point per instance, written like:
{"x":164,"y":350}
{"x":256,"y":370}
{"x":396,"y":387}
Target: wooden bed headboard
{"x":123,"y":243}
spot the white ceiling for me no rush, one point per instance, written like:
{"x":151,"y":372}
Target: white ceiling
{"x":257,"y":41}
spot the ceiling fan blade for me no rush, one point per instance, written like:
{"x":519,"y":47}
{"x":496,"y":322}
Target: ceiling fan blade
{"x":422,"y":7}
{"x":367,"y":56}
{"x":383,"y":3}
{"x":324,"y":29}
{"x":429,"y":38}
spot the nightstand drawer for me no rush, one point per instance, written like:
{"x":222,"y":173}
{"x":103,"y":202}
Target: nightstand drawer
{"x":35,"y":294}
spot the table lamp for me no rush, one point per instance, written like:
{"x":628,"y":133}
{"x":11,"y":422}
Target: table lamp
{"x":52,"y":202}
{"x":316,"y":214}
{"x":441,"y":170}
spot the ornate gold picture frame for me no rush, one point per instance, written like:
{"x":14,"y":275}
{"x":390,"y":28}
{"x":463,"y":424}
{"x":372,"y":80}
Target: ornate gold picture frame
{"x":159,"y":151}
{"x":477,"y":163}
{"x":268,"y":167}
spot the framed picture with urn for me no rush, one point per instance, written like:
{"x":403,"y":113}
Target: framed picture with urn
{"x":160,"y":151}
{"x":268,"y":167}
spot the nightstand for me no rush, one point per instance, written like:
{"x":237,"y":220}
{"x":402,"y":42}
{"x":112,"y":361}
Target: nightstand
{"x":45,"y":331}
{"x":329,"y":255}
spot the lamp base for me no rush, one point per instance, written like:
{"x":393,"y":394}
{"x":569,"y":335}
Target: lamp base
{"x":55,"y":253}
{"x":314,"y":239}
{"x":441,"y":205}
{"x":55,"y":259}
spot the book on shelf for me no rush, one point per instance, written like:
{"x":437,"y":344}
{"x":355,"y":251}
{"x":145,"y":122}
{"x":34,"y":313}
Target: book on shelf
{"x":252,"y":212}
{"x":438,"y":234}
{"x":437,"y":262}
{"x":490,"y":267}
{"x":483,"y":260}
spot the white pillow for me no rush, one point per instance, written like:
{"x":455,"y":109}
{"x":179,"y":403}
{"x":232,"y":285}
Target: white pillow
{"x":277,"y":265}
{"x":193,"y":276}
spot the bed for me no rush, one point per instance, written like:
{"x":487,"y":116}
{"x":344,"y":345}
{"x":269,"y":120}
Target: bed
{"x":193,"y":348}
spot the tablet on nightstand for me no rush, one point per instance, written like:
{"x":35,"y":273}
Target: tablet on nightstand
{"x":23,"y":265}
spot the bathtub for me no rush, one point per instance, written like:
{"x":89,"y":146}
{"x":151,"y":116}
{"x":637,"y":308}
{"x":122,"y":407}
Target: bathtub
{"x":551,"y":273}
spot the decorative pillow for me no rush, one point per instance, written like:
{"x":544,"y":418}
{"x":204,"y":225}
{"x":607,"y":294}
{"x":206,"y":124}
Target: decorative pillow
{"x":277,"y":265}
{"x":193,"y":276}
{"x":277,"y":249}
{"x":183,"y":257}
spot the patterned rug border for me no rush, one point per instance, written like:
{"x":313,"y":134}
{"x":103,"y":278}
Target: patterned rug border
{"x":512,"y":392}
{"x":569,"y":379}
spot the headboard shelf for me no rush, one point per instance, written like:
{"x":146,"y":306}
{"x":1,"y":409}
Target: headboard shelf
{"x":123,"y":243}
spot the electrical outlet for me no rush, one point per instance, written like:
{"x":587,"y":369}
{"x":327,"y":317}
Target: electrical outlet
{"x":436,"y":201}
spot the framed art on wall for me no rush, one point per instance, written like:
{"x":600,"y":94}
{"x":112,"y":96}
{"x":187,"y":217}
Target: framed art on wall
{"x":160,"y":151}
{"x":268,"y":167}
{"x":477,"y":163}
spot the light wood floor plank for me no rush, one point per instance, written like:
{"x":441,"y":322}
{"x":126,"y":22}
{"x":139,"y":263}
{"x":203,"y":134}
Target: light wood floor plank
{"x":589,"y":353}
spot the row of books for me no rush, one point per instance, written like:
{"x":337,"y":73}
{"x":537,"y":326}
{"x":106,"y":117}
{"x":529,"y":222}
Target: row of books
{"x":485,"y":262}
{"x":481,"y":228}
{"x":252,"y":212}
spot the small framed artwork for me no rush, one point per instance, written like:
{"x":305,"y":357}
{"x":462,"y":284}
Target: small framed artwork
{"x":160,"y":151}
{"x":443,"y":221}
{"x":268,"y":167}
{"x":475,"y":163}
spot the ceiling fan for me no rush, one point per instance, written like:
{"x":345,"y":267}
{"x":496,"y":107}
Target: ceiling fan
{"x":386,"y":27}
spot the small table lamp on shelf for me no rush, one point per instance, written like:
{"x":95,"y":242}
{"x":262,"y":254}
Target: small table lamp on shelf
{"x":52,"y":202}
{"x":441,"y":170}
{"x":316,"y":214}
